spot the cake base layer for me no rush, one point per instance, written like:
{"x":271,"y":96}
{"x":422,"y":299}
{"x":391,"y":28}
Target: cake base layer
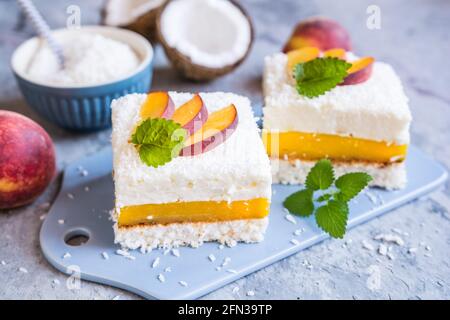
{"x":148,"y":237}
{"x":389,"y":176}
{"x":312,"y":146}
{"x":193,"y":211}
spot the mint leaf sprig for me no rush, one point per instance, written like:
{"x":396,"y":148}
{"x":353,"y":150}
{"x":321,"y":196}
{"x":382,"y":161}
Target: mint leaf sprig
{"x":158,"y":141}
{"x":317,"y":76}
{"x":332,"y":214}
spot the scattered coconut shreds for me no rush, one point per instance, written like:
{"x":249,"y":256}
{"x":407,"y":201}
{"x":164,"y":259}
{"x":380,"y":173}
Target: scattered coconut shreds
{"x":166,"y":252}
{"x":412,"y":250}
{"x":232,"y":243}
{"x":116,"y":298}
{"x":298,"y":232}
{"x":250,"y":293}
{"x":3,"y":263}
{"x":225,"y":261}
{"x":105,"y":255}
{"x":232,"y":271}
{"x":218,"y":268}
{"x":235,"y":290}
{"x":366,"y":245}
{"x":67,"y":255}
{"x":372,"y":198}
{"x":156,"y":262}
{"x":44,"y":206}
{"x":121,"y":252}
{"x":390,"y":256}
{"x":183,"y":283}
{"x":87,"y":189}
{"x":428,"y":248}
{"x":125,"y":254}
{"x":176,"y":252}
{"x":221,"y":246}
{"x":23,"y":270}
{"x":84,"y":173}
{"x":161,"y":277}
{"x":428,"y":255}
{"x":168,"y":269}
{"x":61,"y":221}
{"x":290,"y":218}
{"x":382,"y":249}
{"x":212,"y":257}
{"x":392,"y":238}
{"x":70,"y":196}
{"x":295,"y":242}
{"x":149,"y":217}
{"x":307,"y":264}
{"x":56,"y":282}
{"x":42,"y":217}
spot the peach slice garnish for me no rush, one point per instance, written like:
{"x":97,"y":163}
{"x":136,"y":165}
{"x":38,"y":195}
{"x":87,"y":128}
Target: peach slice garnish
{"x":301,"y":56}
{"x":157,"y":105}
{"x":335,"y":53}
{"x":360,"y":64}
{"x":192,"y":114}
{"x":219,"y":126}
{"x":359,"y":72}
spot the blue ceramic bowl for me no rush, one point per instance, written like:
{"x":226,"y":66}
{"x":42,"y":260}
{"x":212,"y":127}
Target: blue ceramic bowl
{"x":83,"y":108}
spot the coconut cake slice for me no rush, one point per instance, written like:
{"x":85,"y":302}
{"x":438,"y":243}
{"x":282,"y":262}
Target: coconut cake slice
{"x":360,"y":127}
{"x":215,"y":194}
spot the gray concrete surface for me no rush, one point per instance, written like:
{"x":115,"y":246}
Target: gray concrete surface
{"x":413,"y":37}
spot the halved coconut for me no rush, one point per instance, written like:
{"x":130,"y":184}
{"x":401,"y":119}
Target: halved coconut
{"x":137,"y":15}
{"x":204,"y":39}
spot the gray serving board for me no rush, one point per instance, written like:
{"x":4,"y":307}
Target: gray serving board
{"x":78,"y":211}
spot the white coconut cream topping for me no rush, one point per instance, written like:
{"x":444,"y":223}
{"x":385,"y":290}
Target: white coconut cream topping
{"x":212,"y":33}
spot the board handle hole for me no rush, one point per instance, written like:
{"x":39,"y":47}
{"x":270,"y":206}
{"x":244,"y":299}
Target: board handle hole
{"x":76,"y":238}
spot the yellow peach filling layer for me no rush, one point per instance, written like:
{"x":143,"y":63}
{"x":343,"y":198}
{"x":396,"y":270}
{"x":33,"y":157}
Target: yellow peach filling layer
{"x":195,"y":211}
{"x":310,"y":146}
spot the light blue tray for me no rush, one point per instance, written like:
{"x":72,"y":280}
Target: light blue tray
{"x":86,"y":213}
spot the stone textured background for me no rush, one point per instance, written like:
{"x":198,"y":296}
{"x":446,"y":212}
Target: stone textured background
{"x":414,"y":38}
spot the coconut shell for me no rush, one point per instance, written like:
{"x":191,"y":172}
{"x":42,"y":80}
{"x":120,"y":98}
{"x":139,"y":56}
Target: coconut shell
{"x":196,"y":72}
{"x":144,"y":24}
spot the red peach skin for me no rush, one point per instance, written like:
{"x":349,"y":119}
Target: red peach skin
{"x":27,"y":160}
{"x":319,"y":32}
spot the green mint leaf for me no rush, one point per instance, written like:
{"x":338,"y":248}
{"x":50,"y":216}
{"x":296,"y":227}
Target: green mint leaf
{"x":332,"y":218}
{"x":300,"y":203}
{"x":351,"y":184}
{"x":320,"y":75}
{"x":324,"y":197}
{"x":158,"y":141}
{"x":321,"y":176}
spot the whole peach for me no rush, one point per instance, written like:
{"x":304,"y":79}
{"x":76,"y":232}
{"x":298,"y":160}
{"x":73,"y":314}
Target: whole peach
{"x":319,"y":32}
{"x":27,"y":160}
